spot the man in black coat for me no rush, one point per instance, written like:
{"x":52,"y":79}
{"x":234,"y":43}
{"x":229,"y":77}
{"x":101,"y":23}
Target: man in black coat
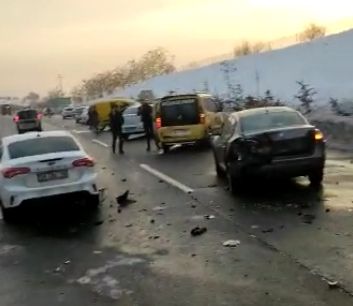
{"x":116,"y":123}
{"x":146,"y":113}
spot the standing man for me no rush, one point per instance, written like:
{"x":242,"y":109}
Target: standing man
{"x":146,"y":113}
{"x":116,"y":122}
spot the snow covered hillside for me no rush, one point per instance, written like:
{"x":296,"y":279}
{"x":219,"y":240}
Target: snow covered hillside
{"x":325,"y":64}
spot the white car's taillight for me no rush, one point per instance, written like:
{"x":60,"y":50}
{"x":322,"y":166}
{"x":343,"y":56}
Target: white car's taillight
{"x":14,"y":171}
{"x":84,"y":162}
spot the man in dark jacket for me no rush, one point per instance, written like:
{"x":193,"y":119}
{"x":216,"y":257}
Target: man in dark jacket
{"x":146,"y":113}
{"x":116,"y":122}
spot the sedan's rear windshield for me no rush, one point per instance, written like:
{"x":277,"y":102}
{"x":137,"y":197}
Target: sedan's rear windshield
{"x":42,"y":145}
{"x":179,"y":112}
{"x":28,"y":114}
{"x":270,"y":121}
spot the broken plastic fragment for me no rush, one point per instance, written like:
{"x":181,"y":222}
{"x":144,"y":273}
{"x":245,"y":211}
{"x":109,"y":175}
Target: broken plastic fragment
{"x":231,"y":243}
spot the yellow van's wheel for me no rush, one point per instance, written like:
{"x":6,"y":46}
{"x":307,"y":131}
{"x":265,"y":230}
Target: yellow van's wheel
{"x":166,"y":148}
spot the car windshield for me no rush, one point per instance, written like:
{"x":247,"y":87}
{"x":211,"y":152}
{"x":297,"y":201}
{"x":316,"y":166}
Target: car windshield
{"x":271,"y":120}
{"x":41,"y":145}
{"x":131,"y":111}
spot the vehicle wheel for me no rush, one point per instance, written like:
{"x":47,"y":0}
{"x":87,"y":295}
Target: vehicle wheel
{"x":165,"y":148}
{"x":40,"y":129}
{"x":93,"y":202}
{"x":126,"y":137}
{"x":20,"y":131}
{"x":8,"y":214}
{"x":316,"y":177}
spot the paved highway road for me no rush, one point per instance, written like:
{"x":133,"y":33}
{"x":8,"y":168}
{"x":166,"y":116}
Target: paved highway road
{"x":293,"y":240}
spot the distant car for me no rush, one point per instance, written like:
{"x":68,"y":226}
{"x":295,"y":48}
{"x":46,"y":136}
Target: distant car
{"x":28,"y":120}
{"x":268,"y":142}
{"x":78,"y":111}
{"x":132,"y":121}
{"x":68,"y":112}
{"x":82,"y":116}
{"x":44,"y":165}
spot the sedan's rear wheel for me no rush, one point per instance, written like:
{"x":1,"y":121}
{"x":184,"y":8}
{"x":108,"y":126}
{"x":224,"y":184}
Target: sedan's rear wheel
{"x":93,"y":201}
{"x":220,"y":172}
{"x":316,"y":177}
{"x":8,"y":214}
{"x":233,"y":183}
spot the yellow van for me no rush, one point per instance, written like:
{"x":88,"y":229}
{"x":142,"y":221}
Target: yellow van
{"x":103,"y":108}
{"x":183,"y":119}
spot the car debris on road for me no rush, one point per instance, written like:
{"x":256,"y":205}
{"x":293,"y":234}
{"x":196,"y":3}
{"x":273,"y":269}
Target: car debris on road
{"x":198,"y":231}
{"x":231,"y":243}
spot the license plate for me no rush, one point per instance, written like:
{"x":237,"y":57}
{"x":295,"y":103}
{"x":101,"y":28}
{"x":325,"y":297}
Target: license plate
{"x":27,"y":125}
{"x":181,"y":133}
{"x":52,"y":176}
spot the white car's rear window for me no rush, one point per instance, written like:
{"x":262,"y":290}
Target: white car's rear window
{"x":42,"y":145}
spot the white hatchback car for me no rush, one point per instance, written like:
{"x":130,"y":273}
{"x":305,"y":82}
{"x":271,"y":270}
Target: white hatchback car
{"x":41,"y":165}
{"x":132,"y":121}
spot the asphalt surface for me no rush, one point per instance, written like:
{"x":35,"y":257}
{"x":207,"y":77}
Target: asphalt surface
{"x":293,"y":239}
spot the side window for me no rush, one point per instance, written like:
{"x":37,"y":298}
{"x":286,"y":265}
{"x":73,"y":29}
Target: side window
{"x":210,"y":105}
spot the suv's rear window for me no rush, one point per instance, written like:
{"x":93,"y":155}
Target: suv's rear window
{"x":28,"y":114}
{"x":179,"y":112}
{"x":42,"y":145}
{"x":269,"y":121}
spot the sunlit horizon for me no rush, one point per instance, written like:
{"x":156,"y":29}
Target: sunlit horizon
{"x":79,"y":38}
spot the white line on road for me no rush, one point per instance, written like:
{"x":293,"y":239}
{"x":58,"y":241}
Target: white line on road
{"x":167,"y":179}
{"x":100,"y":143}
{"x":81,"y":131}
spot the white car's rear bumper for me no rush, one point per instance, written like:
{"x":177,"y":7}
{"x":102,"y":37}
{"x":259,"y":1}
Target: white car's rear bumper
{"x":13,"y":196}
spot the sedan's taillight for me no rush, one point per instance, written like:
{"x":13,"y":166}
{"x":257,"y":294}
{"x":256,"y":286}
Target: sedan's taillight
{"x":39,"y":116}
{"x":16,"y":118}
{"x":14,"y":171}
{"x":202,"y":118}
{"x":83,"y":162}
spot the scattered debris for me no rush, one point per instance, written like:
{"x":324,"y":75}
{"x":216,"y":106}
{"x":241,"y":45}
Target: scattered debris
{"x":143,"y":210}
{"x":254,"y":226}
{"x":337,"y":183}
{"x":112,"y":220}
{"x":231,"y":209}
{"x":129,"y":225}
{"x":350,"y":210}
{"x":58,"y":269}
{"x":122,"y":199}
{"x":99,"y":222}
{"x":119,"y":210}
{"x":269,"y":230}
{"x":212,"y":185}
{"x":308,"y":218}
{"x":124,"y":180}
{"x":169,"y":224}
{"x":231,"y":243}
{"x":252,"y":236}
{"x":159,"y":208}
{"x":113,"y":173}
{"x":67,"y":262}
{"x":193,"y":206}
{"x":193,"y":255}
{"x":160,"y":181}
{"x":282,"y":226}
{"x":156,"y":237}
{"x":210,"y":217}
{"x":332,"y":284}
{"x":198,"y":231}
{"x":104,"y":168}
{"x":327,"y":210}
{"x":152,"y":221}
{"x":300,"y":214}
{"x":97,"y":252}
{"x":163,"y":203}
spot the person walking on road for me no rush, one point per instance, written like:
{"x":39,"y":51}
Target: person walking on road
{"x":146,"y":113}
{"x":116,"y":122}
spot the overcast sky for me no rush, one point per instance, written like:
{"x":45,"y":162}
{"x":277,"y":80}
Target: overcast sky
{"x":77,"y":38}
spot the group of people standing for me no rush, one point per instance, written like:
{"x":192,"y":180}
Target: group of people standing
{"x":117,"y":120}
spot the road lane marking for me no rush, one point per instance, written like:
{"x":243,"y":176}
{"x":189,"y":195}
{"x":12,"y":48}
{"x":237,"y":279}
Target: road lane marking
{"x":167,"y":179}
{"x":81,"y":131}
{"x":100,"y":143}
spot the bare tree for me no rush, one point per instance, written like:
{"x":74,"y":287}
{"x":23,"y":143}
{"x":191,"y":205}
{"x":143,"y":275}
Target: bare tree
{"x":311,"y":32}
{"x":305,"y":96}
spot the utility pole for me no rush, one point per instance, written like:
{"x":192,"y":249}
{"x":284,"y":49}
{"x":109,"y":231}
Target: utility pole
{"x":60,"y":82}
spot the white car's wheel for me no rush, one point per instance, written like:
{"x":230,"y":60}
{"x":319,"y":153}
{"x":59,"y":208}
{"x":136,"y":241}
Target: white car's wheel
{"x":8,"y":214}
